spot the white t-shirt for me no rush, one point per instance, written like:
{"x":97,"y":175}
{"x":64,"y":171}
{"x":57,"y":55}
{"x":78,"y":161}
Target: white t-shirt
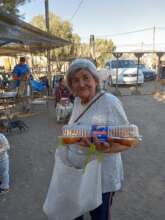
{"x":106,"y":110}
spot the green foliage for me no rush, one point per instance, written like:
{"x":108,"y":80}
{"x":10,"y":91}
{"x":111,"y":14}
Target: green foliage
{"x":39,"y":21}
{"x":58,"y":27}
{"x":62,"y":29}
{"x":103,"y":48}
{"x":11,"y":6}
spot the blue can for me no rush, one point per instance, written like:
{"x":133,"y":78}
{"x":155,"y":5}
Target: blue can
{"x":100,"y":132}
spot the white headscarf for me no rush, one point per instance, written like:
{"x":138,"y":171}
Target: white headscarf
{"x":81,"y":64}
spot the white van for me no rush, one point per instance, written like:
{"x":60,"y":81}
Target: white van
{"x":124,"y":72}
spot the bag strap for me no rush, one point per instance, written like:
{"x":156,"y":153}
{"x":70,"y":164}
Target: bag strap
{"x":85,"y":110}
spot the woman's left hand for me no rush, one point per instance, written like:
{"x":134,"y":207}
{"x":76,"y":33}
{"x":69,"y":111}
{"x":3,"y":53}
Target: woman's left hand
{"x":100,"y":146}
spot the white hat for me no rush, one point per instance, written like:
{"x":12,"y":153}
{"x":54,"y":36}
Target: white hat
{"x":81,"y":64}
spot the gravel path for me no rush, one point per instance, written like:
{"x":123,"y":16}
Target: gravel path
{"x":32,"y":154}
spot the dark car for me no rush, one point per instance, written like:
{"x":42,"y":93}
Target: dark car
{"x":148,"y":73}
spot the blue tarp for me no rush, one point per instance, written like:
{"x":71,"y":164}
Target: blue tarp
{"x":37,"y":85}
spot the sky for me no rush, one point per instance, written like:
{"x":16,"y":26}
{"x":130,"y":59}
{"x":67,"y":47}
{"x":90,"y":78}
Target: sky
{"x":108,"y":18}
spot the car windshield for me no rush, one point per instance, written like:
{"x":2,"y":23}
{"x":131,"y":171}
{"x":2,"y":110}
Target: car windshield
{"x":123,"y":64}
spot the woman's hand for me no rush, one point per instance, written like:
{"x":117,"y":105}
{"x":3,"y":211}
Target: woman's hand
{"x":100,"y":145}
{"x":117,"y":147}
{"x":109,"y":147}
{"x":85,"y":142}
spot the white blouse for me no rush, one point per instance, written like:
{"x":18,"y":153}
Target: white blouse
{"x":106,"y":110}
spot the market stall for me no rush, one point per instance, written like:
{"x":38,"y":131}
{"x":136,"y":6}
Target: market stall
{"x":17,"y":36}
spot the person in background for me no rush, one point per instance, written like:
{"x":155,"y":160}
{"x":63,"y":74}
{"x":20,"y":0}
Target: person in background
{"x":4,"y":164}
{"x":62,"y":92}
{"x":21,"y":74}
{"x":63,"y":101}
{"x":162,"y":77}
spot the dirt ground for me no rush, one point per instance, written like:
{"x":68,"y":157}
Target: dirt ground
{"x":32,"y":155}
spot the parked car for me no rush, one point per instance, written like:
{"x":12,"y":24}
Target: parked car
{"x":148,"y":73}
{"x":127,"y":72}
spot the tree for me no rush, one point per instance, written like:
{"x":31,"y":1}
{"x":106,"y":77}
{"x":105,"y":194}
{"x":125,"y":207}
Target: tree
{"x":104,"y":49}
{"x":12,"y":6}
{"x":62,"y":29}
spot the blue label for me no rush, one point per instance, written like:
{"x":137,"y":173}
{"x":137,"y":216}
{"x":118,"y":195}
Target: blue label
{"x":100,"y":132}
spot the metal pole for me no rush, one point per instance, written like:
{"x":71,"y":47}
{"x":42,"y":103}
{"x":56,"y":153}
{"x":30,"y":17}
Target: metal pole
{"x":117,"y":71}
{"x":48,"y":51}
{"x":137,"y":79}
{"x":159,"y":55}
{"x":117,"y":55}
{"x":47,"y":15}
{"x":153,"y":43}
{"x":92,"y":45}
{"x":138,"y":55}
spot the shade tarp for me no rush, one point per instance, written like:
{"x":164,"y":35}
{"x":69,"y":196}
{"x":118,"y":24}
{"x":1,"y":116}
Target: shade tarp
{"x":19,"y":35}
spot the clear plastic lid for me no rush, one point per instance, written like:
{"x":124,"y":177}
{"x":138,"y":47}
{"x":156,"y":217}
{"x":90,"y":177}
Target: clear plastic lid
{"x":122,"y":131}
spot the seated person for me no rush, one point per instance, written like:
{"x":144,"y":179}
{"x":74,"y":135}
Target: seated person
{"x":62,"y":92}
{"x":162,"y":75}
{"x":63,"y":100}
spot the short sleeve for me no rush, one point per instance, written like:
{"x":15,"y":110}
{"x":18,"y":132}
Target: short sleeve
{"x":116,"y":110}
{"x":27,"y":68}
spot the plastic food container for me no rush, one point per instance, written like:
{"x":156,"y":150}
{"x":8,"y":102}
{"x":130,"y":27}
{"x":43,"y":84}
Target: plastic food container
{"x":124,"y":134}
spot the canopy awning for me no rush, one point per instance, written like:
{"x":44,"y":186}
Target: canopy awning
{"x":16,"y":34}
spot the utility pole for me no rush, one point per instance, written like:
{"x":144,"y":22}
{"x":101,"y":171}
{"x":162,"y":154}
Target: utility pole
{"x":48,"y":51}
{"x":153,"y":43}
{"x":117,"y":55}
{"x":138,"y":55}
{"x":92,"y":47}
{"x":142,"y":46}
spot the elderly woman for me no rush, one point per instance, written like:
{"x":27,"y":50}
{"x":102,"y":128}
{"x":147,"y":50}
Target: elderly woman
{"x":83,"y":81}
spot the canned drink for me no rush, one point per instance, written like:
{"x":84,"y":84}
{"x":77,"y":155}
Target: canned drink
{"x":99,"y":132}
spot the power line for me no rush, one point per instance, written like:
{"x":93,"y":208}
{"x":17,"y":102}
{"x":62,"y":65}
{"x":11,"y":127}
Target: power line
{"x":123,"y":33}
{"x":78,"y":7}
{"x":161,"y":28}
{"x":129,"y":32}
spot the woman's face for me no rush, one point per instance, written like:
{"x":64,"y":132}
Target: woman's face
{"x":84,"y":85}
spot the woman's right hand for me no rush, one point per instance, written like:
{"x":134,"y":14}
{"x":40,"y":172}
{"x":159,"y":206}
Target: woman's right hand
{"x":100,"y":145}
{"x":85,"y":142}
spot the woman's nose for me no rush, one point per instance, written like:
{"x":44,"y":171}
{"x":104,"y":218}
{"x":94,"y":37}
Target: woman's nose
{"x":82,"y":82}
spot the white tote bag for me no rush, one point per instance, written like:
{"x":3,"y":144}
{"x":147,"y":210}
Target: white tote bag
{"x":72,"y":192}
